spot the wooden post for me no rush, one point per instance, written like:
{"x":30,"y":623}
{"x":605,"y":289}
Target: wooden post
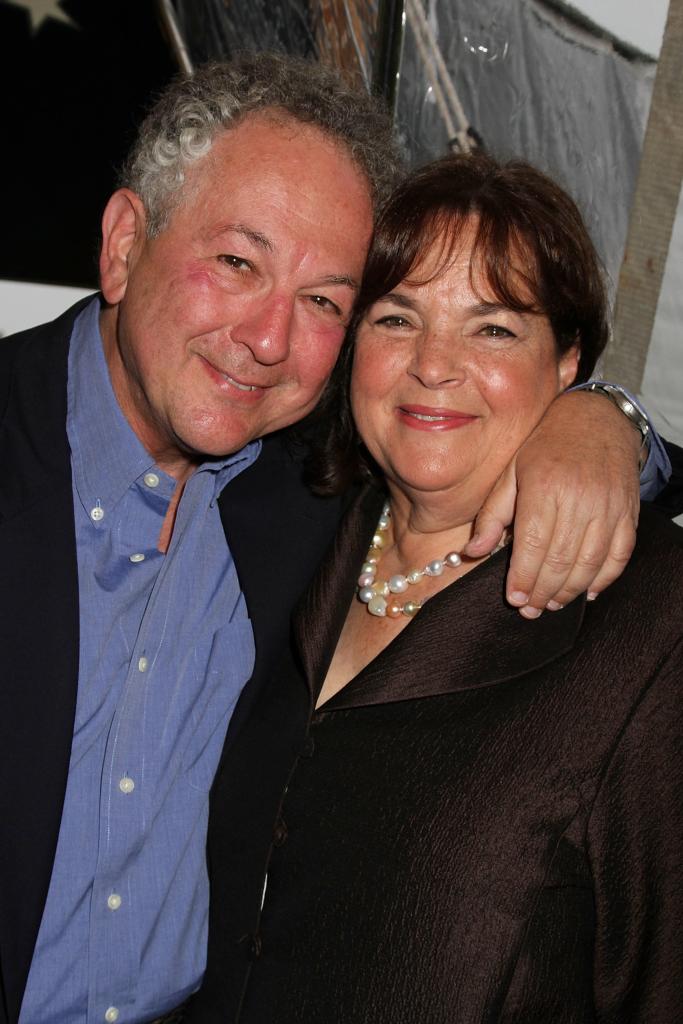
{"x":652,"y":215}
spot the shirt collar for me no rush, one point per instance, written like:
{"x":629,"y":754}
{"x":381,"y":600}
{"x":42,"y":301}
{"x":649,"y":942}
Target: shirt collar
{"x":107,"y":456}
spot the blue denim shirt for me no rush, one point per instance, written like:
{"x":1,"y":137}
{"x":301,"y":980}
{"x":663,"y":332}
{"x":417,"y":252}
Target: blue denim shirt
{"x":165,"y":649}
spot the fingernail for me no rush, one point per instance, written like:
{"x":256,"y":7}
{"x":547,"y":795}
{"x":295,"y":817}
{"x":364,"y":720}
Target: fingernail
{"x":554,"y":606}
{"x":591,"y":595}
{"x":529,"y":612}
{"x":517,"y":597}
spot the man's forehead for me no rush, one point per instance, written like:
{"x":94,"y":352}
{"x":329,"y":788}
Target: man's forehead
{"x":257,"y":128}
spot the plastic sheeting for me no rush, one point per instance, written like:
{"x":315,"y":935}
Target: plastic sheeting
{"x":535,"y":85}
{"x":339,"y":32}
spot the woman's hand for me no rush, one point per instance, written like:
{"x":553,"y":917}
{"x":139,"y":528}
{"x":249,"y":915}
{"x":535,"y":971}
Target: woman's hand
{"x":573,"y":493}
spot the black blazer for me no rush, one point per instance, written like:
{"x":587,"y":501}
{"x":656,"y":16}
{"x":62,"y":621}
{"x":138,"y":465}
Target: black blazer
{"x":485,"y":826}
{"x":276,"y":545}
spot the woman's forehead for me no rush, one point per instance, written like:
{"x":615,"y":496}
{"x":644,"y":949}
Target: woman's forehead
{"x":461,"y":253}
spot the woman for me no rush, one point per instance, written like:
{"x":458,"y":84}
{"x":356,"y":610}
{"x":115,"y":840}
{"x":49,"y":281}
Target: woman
{"x":479,"y":824}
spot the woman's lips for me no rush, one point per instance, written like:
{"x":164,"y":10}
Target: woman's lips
{"x":422,"y":417}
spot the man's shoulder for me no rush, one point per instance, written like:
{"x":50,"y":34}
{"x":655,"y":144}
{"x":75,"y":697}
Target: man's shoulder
{"x":41,"y":348}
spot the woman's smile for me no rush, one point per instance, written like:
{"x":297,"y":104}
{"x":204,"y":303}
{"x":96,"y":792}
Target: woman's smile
{"x":422,"y":417}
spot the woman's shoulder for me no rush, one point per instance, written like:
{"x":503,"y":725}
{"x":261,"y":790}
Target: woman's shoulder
{"x":645,"y":605}
{"x":658,"y":553}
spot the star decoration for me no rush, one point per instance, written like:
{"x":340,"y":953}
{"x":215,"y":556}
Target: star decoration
{"x":40,"y":10}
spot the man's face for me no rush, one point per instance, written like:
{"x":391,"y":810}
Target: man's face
{"x":226,"y":326}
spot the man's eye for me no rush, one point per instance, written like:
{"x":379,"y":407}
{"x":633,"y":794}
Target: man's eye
{"x":496,"y":331}
{"x":322,"y":302}
{"x":236,"y":262}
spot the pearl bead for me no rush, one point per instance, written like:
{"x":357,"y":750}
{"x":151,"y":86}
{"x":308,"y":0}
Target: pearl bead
{"x":377,"y":606}
{"x":378,"y":594}
{"x":398,"y":584}
{"x":435,"y":568}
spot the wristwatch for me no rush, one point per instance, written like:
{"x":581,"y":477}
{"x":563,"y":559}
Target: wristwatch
{"x":630,"y":411}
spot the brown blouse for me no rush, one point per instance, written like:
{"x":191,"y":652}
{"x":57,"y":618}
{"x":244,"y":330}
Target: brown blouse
{"x":485,"y":825}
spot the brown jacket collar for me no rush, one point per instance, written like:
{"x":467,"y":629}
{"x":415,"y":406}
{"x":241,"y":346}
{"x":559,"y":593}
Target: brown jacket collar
{"x":466,"y":636}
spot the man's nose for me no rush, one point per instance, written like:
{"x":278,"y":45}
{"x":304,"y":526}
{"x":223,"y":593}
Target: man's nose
{"x":265,"y":329}
{"x":438,"y":360}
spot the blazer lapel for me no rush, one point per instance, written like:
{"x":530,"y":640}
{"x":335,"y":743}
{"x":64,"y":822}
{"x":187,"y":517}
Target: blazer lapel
{"x":39,"y":633}
{"x":278,"y":532}
{"x":319,"y":617}
{"x":466,"y":636}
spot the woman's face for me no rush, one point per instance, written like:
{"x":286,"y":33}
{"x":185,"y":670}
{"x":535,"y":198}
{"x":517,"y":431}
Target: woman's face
{"x":447,"y":383}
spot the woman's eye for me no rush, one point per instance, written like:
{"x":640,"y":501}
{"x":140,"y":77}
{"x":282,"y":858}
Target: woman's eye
{"x":393,"y":320}
{"x":236,"y":262}
{"x":496,"y":331}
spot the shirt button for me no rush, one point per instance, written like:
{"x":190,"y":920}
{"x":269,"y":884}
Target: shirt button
{"x":111,"y":1015}
{"x":136,"y":558}
{"x":151,"y":479}
{"x":97,"y":513}
{"x":114,"y":901}
{"x":126,"y":784}
{"x":142,"y":664}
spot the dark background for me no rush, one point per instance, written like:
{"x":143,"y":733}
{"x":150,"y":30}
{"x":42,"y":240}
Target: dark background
{"x":71,"y":98}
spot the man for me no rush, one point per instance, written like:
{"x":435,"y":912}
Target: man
{"x":129,"y":452}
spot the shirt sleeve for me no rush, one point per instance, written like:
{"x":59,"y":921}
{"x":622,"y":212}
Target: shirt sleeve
{"x":656,"y":472}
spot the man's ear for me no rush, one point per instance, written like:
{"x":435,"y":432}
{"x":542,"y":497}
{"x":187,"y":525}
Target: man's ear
{"x":569,"y":365}
{"x":123,"y":233}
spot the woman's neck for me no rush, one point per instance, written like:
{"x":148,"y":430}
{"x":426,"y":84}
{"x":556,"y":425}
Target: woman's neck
{"x":423,"y":526}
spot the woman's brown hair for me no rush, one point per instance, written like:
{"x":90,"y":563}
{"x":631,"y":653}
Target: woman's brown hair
{"x":520,"y":212}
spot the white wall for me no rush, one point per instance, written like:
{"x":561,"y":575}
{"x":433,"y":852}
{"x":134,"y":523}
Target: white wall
{"x":27,"y":305}
{"x":638,"y":22}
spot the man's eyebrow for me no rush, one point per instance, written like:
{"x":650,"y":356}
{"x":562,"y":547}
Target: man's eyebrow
{"x":342,"y":279}
{"x":255,"y":237}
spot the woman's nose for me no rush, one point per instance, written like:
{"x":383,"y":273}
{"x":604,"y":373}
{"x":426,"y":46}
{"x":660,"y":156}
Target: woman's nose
{"x":438,"y":360}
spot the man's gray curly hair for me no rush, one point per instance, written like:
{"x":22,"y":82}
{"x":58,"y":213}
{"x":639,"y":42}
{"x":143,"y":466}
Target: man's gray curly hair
{"x":182,"y":125}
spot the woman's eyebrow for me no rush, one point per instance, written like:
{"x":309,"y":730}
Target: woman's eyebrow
{"x":486,"y":308}
{"x":399,"y":299}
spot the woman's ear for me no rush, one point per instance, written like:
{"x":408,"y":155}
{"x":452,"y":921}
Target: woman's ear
{"x":123,"y":232}
{"x":568,"y":366}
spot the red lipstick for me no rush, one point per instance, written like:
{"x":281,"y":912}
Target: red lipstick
{"x":423,"y":417}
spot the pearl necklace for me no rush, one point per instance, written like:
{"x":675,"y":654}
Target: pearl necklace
{"x":379,"y":596}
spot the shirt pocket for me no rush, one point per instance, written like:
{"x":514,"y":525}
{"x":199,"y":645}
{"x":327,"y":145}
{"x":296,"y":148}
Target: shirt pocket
{"x":226,"y":667}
